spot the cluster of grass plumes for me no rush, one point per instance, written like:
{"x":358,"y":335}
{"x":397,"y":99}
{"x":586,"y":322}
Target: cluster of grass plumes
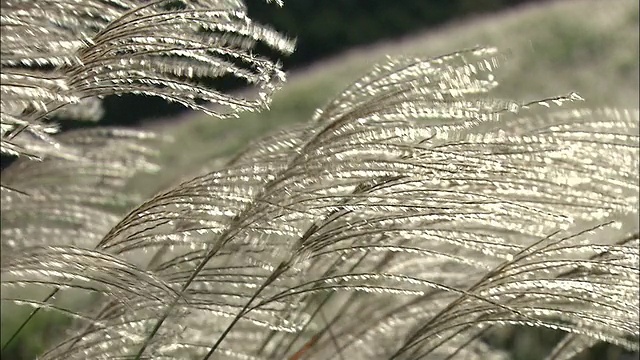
{"x":408,"y":218}
{"x":61,"y":57}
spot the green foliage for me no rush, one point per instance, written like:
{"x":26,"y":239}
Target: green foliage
{"x":317,"y":24}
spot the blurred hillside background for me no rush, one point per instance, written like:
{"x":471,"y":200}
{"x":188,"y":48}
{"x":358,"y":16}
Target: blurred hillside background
{"x":324,"y":29}
{"x":555,"y":47}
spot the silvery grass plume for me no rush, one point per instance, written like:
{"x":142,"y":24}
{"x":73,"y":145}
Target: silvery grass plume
{"x":405,"y":220}
{"x":76,"y":199}
{"x":69,"y":200}
{"x":61,"y":57}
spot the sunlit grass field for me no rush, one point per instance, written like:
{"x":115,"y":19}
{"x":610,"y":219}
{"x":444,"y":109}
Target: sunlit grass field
{"x":590,"y":47}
